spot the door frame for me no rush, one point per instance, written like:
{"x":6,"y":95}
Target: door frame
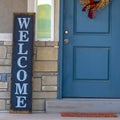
{"x":60,"y":52}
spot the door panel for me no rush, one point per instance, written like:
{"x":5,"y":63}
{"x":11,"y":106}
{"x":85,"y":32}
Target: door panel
{"x":91,"y":57}
{"x":84,"y":25}
{"x":91,"y":63}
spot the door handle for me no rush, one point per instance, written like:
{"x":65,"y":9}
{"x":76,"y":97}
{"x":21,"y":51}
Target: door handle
{"x":66,"y":41}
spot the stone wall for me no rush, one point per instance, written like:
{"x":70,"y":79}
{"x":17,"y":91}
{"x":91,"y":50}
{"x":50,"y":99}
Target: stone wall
{"x":45,"y":72}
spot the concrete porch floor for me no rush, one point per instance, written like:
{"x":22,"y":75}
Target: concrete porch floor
{"x":46,"y":116}
{"x":83,"y":105}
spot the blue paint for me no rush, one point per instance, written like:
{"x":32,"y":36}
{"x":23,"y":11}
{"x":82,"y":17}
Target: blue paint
{"x":85,"y":58}
{"x":3,"y":77}
{"x":21,"y":85}
{"x":89,"y":66}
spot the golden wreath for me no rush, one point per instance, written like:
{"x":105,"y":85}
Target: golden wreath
{"x":93,"y":5}
{"x":101,"y":4}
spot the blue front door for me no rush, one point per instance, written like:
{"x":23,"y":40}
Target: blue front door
{"x":91,"y":51}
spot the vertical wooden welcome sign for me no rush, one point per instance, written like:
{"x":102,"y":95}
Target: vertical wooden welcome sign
{"x":21,"y":84}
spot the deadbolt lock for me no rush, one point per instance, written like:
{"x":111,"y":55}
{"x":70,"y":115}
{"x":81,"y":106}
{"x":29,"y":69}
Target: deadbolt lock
{"x":66,"y":41}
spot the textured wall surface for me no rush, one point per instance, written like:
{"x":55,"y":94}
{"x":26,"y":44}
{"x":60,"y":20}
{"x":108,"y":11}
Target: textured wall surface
{"x":7,"y":8}
{"x":45,"y":71}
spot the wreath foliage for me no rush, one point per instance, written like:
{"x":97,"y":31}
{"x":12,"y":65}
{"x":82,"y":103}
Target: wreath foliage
{"x":93,"y":5}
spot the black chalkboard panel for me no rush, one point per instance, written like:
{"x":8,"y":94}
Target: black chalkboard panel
{"x":21,"y":82}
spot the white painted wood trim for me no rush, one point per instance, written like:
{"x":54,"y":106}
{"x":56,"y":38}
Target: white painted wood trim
{"x":5,"y":36}
{"x":52,"y":24}
{"x":31,"y":6}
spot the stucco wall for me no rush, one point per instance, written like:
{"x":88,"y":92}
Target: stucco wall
{"x":7,"y":8}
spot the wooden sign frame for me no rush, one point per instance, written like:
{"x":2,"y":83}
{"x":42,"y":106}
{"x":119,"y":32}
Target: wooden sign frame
{"x":22,"y":59}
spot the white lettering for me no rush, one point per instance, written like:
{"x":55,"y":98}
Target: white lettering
{"x":22,"y":73}
{"x":23,"y":36}
{"x":24,"y":22}
{"x":21,"y":86}
{"x":19,"y":62}
{"x":21,"y":89}
{"x":20,"y":52}
{"x":21,"y":102}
